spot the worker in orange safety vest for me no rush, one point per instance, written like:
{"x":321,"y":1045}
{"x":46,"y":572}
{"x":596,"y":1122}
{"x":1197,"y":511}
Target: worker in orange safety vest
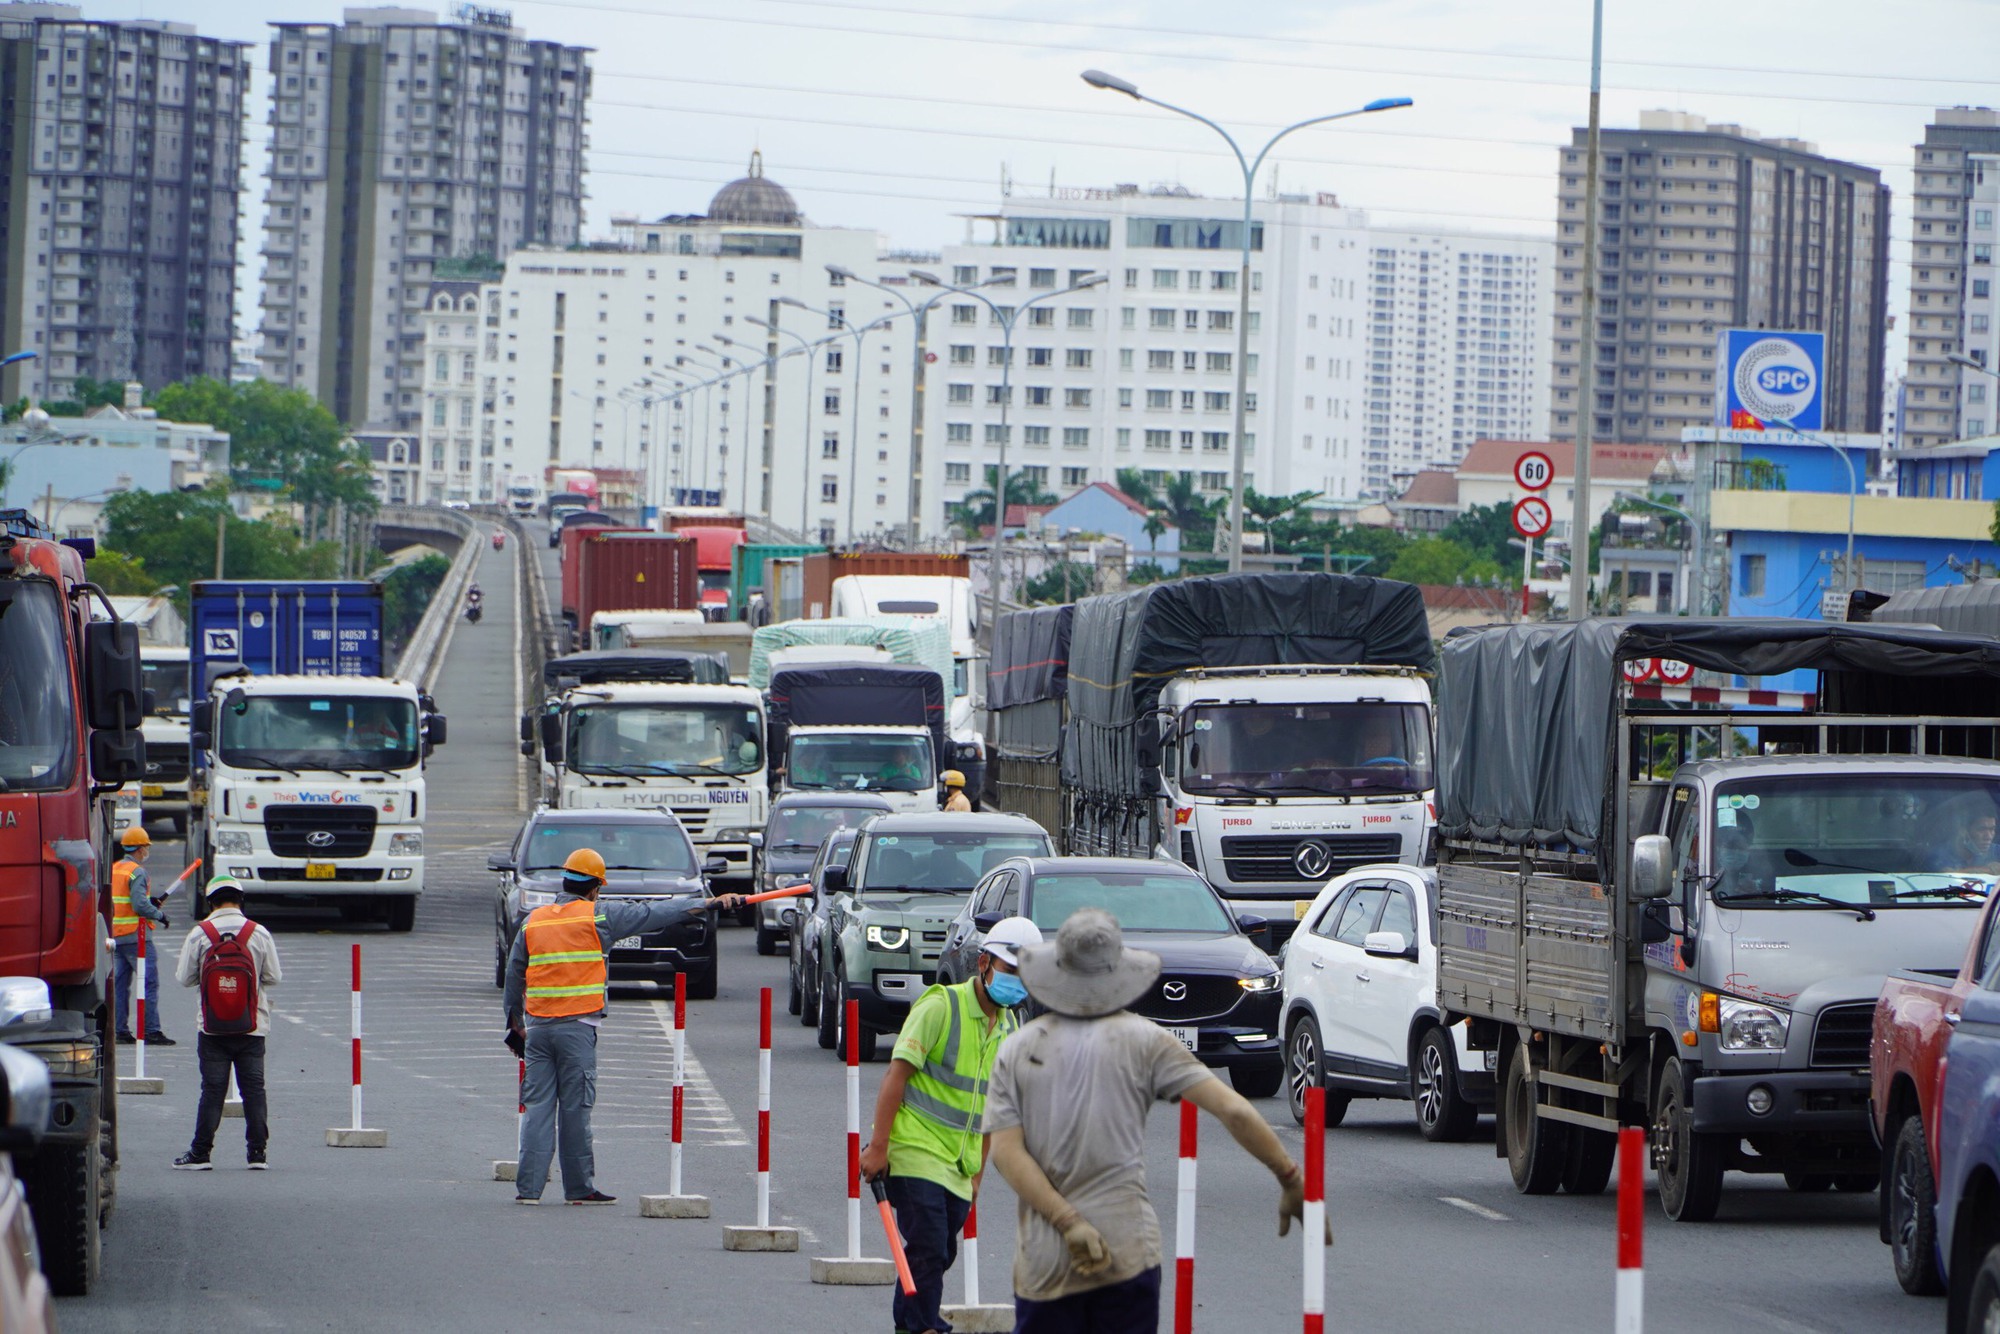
{"x":132,"y":902}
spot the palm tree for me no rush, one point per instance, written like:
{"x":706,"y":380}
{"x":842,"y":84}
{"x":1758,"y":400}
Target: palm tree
{"x":1156,"y":524}
{"x":1132,"y":481}
{"x":975,"y":511}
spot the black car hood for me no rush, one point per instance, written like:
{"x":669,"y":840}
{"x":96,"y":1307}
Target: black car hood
{"x":1191,"y":953}
{"x":620,"y":884}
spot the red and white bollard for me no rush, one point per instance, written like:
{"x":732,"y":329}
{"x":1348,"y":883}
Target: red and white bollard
{"x":852,"y":1269}
{"x":139,"y":1083}
{"x":355,"y":1136}
{"x":506,"y":1169}
{"x":761,"y":1236}
{"x":1315,"y":1211}
{"x":1184,"y":1224}
{"x":1630,"y":1316}
{"x":674,"y":1204}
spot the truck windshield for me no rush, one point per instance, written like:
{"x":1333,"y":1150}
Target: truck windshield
{"x":1305,"y":750}
{"x":37,"y":711}
{"x":941,"y":861}
{"x":332,"y":732}
{"x":638,"y":740}
{"x":1867,"y":840}
{"x":862,"y":763}
{"x":169,"y":683}
{"x":1146,"y":902}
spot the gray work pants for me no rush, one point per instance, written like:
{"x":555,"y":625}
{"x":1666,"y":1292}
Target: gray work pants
{"x":561,"y":1090}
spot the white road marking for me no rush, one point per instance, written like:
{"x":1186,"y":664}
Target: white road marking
{"x":702,"y":1103}
{"x":1476,"y":1210}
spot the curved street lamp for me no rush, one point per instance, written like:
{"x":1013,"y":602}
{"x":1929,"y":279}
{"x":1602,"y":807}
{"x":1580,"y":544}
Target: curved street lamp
{"x":1112,"y":83}
{"x":1853,"y":485}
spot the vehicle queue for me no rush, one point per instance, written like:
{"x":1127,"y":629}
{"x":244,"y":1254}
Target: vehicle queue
{"x":1395,"y":977}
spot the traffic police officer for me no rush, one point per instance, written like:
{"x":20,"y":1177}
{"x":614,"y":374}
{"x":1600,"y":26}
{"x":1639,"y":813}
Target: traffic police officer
{"x":955,"y":799}
{"x":132,"y":901}
{"x":554,"y":999}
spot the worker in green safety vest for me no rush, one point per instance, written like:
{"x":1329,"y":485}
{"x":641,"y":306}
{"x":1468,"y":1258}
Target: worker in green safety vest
{"x":926,"y":1141}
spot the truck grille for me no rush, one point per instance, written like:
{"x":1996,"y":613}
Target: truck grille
{"x":1842,"y":1035}
{"x":694,"y":819}
{"x":1249,"y":860}
{"x":1199,"y":997}
{"x":341,"y":875}
{"x":320,"y":832}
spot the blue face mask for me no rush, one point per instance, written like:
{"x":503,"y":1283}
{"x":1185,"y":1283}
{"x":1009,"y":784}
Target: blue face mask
{"x":1005,"y":989}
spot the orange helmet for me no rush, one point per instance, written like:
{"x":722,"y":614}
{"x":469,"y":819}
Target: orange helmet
{"x":135,"y":837}
{"x":585,"y":862}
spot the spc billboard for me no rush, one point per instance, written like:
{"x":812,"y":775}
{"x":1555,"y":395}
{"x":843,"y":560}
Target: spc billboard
{"x":1770,"y":376}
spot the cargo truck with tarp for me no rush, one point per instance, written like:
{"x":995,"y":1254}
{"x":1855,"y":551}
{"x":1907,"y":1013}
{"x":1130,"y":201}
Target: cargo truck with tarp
{"x":1269,"y":730}
{"x":860,"y":727}
{"x":1026,"y":707}
{"x":1673,"y":905}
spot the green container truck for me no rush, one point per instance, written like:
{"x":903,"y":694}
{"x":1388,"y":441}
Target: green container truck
{"x":746,"y":571}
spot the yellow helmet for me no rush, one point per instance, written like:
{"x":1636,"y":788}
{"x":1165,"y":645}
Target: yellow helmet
{"x":585,"y":862}
{"x":135,"y":837}
{"x":953,"y":778}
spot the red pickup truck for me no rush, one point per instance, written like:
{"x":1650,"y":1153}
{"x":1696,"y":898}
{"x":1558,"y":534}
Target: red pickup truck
{"x":1914,"y":1017}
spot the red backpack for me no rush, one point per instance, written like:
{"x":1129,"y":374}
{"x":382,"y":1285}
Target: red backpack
{"x":228,"y":981}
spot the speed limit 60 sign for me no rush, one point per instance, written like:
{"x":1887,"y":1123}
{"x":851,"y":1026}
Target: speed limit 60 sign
{"x":1533,"y":471}
{"x":1532,"y":517}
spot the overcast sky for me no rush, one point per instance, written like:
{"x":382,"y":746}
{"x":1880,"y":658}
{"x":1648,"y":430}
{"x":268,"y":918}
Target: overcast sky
{"x":902,"y":114}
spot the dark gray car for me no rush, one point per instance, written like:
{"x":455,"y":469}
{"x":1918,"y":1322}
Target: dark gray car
{"x":809,"y":925}
{"x":647,"y":855}
{"x":789,"y":843}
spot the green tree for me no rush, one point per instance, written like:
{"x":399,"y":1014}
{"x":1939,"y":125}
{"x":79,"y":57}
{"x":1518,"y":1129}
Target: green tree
{"x":172,"y":534}
{"x":1065,"y":581}
{"x":121,"y":575}
{"x":1132,"y":481}
{"x":1437,"y":560}
{"x":1488,"y":530}
{"x":280,"y":434}
{"x":87,"y":394}
{"x":975,"y":511}
{"x":406,"y":594}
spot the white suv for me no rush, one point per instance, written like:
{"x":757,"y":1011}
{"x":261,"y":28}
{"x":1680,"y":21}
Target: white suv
{"x":1360,"y":1013}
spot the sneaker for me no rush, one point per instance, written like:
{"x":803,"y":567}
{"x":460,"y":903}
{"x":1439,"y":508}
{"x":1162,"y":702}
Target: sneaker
{"x":193,"y":1162}
{"x":160,"y":1040}
{"x":258,"y":1163}
{"x":595,"y":1197}
{"x":527,"y":1199}
{"x":126,"y":1039}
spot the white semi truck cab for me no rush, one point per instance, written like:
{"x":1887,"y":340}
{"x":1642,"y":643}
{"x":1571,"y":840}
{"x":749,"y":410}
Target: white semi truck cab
{"x":163,"y":789}
{"x":897,"y":764}
{"x":1275,"y":779}
{"x":313,"y":786}
{"x":697,"y":750}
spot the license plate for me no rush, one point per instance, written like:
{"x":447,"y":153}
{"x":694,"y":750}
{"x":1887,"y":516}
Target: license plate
{"x":1300,"y":908}
{"x":319,"y":870}
{"x":152,"y":790}
{"x":1187,"y":1037}
{"x":627,"y":943}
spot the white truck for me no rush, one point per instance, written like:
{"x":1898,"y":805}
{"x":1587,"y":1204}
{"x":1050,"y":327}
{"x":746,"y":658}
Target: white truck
{"x":626,"y":730}
{"x":946,"y":598}
{"x":677,"y":631}
{"x":308,"y":763}
{"x":163,"y":790}
{"x":865,"y":725}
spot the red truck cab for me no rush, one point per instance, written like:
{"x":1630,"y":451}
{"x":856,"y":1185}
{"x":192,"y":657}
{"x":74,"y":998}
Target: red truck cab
{"x":1914,"y":1019}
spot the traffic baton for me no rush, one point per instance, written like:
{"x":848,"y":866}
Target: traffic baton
{"x":895,"y":1238}
{"x":192,"y":867}
{"x":1630,"y":1313}
{"x":793,"y":892}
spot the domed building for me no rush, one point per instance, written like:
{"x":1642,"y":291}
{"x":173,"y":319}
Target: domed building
{"x":755,"y":201}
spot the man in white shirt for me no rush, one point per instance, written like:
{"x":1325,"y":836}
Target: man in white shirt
{"x":223,"y":1052}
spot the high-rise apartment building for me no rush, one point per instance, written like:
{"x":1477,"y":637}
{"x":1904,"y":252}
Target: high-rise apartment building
{"x":119,"y":174}
{"x":1705,"y":228}
{"x":1952,"y":304}
{"x":397,"y":141}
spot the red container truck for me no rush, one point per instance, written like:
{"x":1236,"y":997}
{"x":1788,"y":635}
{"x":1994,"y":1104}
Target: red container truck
{"x":572,"y":560}
{"x":634,"y":570}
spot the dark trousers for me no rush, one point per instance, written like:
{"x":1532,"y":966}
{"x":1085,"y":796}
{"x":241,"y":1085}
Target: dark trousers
{"x":930,"y":1219}
{"x":125,"y":962}
{"x":1131,"y":1307}
{"x":219,"y":1054}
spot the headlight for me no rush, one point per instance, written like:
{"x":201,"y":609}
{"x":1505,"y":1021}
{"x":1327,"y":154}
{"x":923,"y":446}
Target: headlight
{"x":233,"y":843}
{"x":535,"y":898}
{"x":888,"y":937}
{"x":1748,"y":1026}
{"x":734,"y":833}
{"x":407,"y":844}
{"x":1268,"y":982}
{"x":66,"y":1058}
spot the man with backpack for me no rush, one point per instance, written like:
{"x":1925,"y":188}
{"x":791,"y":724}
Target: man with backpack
{"x":235,"y":962}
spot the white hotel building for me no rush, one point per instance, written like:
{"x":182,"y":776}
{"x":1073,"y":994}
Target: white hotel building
{"x":1383,"y":352}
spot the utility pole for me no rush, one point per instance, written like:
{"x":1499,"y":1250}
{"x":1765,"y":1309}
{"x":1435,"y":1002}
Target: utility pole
{"x":221,"y":533}
{"x":1580,"y":516}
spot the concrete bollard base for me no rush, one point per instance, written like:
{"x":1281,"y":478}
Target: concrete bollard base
{"x":981,"y":1319}
{"x":343,"y":1137}
{"x":751,"y":1238}
{"x":673,"y":1206}
{"x":233,"y":1109}
{"x":134,"y":1084}
{"x":503,"y":1169}
{"x":844,"y":1271}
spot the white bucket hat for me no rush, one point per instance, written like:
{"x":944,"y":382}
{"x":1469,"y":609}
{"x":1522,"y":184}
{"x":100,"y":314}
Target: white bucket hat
{"x":1089,"y":971}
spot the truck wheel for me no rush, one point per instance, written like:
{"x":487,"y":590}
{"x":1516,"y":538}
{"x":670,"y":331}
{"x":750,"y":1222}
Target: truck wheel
{"x":1257,"y":1081}
{"x":1537,"y":1147}
{"x":1587,"y":1167}
{"x":1687,"y":1166}
{"x":1912,"y":1202}
{"x":1983,"y":1310}
{"x":402,"y":912}
{"x":1443,"y":1114}
{"x":62,"y":1185}
{"x":827,"y":1021}
{"x":701,"y":981}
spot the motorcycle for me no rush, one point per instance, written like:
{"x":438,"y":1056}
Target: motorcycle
{"x":499,"y":540}
{"x":472,"y":613}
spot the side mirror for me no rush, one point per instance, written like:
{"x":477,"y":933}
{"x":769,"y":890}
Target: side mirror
{"x":715,"y":866}
{"x":117,"y":757}
{"x":1250,"y":923}
{"x":24,"y":1099}
{"x":199,"y":740}
{"x":834,"y":880}
{"x":986,"y":921}
{"x":24,"y":1003}
{"x":552,"y":735}
{"x":1388,"y":945}
{"x":500,"y":861}
{"x":1654,"y":926}
{"x":201,"y":718}
{"x":1651,"y":855}
{"x":756,"y":839}
{"x":434,"y":729}
{"x":528,"y":749}
{"x":527,"y":727}
{"x":115,"y":697}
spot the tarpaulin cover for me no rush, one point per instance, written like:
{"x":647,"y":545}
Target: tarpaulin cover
{"x":856,"y":695}
{"x":922,"y":641}
{"x":1968,"y":608}
{"x":1124,"y":647}
{"x":1526,"y":712}
{"x":601,"y":666}
{"x":1030,"y":657}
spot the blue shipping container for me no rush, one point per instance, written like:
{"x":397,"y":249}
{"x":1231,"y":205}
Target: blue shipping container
{"x":330,"y":627}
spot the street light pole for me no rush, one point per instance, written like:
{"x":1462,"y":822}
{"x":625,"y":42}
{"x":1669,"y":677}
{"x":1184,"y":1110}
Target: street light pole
{"x":1853,"y":485}
{"x":1006,"y":322}
{"x":1249,"y":166}
{"x":859,"y":333}
{"x":1586,"y":417}
{"x":805,"y":450}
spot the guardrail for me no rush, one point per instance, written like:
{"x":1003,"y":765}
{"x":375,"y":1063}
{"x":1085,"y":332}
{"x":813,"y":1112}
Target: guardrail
{"x":424,"y":654}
